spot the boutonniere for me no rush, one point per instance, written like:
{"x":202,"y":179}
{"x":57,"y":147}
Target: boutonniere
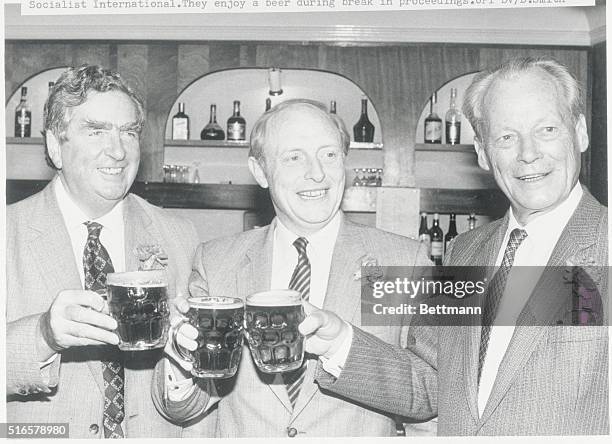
{"x":151,"y":257}
{"x":374,"y":272}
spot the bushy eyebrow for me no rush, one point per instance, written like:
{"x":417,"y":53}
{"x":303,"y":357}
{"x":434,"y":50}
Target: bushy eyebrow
{"x":96,"y":124}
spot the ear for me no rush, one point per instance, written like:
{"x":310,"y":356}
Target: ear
{"x":483,"y":160}
{"x":258,"y":172}
{"x":54,"y":149}
{"x":582,"y":136}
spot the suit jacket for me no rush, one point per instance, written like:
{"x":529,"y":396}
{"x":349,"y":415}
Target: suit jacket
{"x":552,"y":380}
{"x":253,"y":404}
{"x":40,"y":263}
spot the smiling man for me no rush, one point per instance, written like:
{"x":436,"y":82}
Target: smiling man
{"x":298,"y":151}
{"x":63,"y":365}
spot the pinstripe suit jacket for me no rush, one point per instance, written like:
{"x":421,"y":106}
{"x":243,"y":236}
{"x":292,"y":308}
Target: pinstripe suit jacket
{"x":253,"y":403}
{"x":40,"y":263}
{"x":553,"y":380}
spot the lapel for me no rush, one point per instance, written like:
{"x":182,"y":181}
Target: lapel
{"x":343,"y":295}
{"x":544,"y":305}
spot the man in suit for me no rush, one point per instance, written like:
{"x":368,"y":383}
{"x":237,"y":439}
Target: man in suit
{"x":63,"y":365}
{"x":298,"y":152}
{"x":545,"y":376}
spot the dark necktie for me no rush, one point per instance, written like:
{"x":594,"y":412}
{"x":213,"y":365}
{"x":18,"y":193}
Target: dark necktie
{"x":300,"y":281}
{"x":496,"y":291}
{"x":96,"y":265}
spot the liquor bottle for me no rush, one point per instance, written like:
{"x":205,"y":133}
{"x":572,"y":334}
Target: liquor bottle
{"x":472,"y":221}
{"x":453,"y":120}
{"x":50,"y":87}
{"x":23,"y":116}
{"x":437,"y":241}
{"x":424,"y":235}
{"x":433,"y":124}
{"x":212,"y":131}
{"x":363,"y":131}
{"x":236,"y":125}
{"x":180,"y":124}
{"x":332,"y":107}
{"x":268,"y":104}
{"x":452,"y":231}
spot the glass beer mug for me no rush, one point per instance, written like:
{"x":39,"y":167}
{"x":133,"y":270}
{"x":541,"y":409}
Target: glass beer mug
{"x":219,"y":322}
{"x":271,"y":321}
{"x":138,"y":301}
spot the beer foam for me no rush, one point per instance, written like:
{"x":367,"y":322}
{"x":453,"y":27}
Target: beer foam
{"x":275,"y":298}
{"x":146,"y":278}
{"x":218,"y":302}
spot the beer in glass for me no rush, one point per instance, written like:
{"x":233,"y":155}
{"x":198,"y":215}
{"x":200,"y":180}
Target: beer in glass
{"x":138,"y":301}
{"x":219,"y":322}
{"x":272,"y":319}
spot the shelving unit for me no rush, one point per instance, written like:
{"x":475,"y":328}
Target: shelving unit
{"x":245,"y":144}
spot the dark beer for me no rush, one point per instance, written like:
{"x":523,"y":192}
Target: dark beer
{"x":138,"y":302}
{"x":219,"y":321}
{"x":272,"y":319}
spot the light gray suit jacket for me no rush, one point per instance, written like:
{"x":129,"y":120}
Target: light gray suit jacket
{"x":553,"y":380}
{"x":40,"y":263}
{"x":253,"y":405}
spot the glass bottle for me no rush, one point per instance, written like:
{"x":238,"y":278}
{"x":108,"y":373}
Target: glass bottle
{"x":363,"y":130}
{"x":180,"y":124}
{"x":236,"y":125}
{"x":453,"y":121}
{"x":437,"y":241}
{"x":212,"y":131}
{"x":23,"y":116}
{"x":433,"y":123}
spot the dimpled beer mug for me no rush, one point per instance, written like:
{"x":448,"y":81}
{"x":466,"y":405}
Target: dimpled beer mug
{"x":138,"y":301}
{"x":219,"y":322}
{"x":272,"y":319}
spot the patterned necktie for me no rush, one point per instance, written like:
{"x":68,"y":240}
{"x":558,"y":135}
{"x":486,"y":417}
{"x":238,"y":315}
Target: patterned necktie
{"x":97,"y":264}
{"x":495,"y":292}
{"x":300,"y":281}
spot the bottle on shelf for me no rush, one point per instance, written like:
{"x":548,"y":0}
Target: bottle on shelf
{"x":236,"y":125}
{"x":437,"y":241}
{"x":453,"y":120}
{"x":180,"y":124}
{"x":332,"y":107}
{"x":23,"y":116}
{"x":268,"y":104}
{"x":452,"y":231}
{"x":50,"y":87}
{"x":212,"y":131}
{"x":424,"y":235}
{"x":472,"y":221}
{"x":363,"y":131}
{"x":433,"y":123}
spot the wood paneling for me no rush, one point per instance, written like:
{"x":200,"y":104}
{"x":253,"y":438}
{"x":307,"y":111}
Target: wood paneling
{"x":193,"y":62}
{"x":599,"y":142}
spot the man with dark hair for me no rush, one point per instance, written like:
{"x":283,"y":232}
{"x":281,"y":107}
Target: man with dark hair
{"x":541,"y":375}
{"x":63,"y":365}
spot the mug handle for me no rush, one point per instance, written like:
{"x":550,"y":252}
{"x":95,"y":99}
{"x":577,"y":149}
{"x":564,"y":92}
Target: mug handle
{"x":183,"y":353}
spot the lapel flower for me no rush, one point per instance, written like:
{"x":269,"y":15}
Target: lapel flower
{"x":374,"y":272}
{"x":151,"y":257}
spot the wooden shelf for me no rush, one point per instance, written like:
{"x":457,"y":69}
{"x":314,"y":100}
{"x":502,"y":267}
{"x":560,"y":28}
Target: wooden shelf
{"x":227,"y":144}
{"x":444,"y":148}
{"x":24,"y":140}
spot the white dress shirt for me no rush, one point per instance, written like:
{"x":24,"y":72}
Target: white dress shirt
{"x":543,"y":233}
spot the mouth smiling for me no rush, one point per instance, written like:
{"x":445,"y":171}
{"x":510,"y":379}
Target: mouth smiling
{"x":109,"y":171}
{"x":313,"y":194}
{"x":535,"y":177}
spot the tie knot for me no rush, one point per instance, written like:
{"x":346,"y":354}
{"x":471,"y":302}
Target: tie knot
{"x":300,"y":245}
{"x":517,"y":236}
{"x":93,"y":229}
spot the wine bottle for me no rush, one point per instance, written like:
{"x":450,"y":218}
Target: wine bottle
{"x":212,"y":131}
{"x":268,"y":104}
{"x":363,"y":131}
{"x":332,"y":107}
{"x":23,"y":116}
{"x":50,"y":87}
{"x":437,"y":241}
{"x":452,"y":231}
{"x":453,"y":120}
{"x":236,"y":125}
{"x":472,"y":221}
{"x":433,"y":123}
{"x":424,"y":235}
{"x":180,"y":124}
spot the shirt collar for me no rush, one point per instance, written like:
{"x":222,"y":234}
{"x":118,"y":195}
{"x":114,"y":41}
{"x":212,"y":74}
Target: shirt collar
{"x":321,"y":240}
{"x":74,"y":216}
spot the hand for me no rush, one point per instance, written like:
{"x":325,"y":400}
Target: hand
{"x":75,"y":318}
{"x":185,"y":336}
{"x":324,"y":331}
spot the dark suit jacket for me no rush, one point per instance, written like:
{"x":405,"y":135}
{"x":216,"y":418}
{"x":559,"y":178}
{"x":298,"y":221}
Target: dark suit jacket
{"x":552,"y":380}
{"x":40,"y":263}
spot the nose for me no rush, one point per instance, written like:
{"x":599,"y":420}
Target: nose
{"x":529,"y":151}
{"x":315,"y":171}
{"x":114,"y":145}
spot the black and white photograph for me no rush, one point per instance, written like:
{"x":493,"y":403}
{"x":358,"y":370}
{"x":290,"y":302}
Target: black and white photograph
{"x":200,"y":194}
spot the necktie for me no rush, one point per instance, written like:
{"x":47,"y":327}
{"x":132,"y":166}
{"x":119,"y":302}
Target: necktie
{"x":495,"y":292}
{"x":96,"y":265}
{"x":300,"y":281}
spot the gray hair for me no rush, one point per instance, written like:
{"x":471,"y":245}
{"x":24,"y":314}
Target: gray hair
{"x":567,"y":86}
{"x":71,"y":89}
{"x":262,"y":126}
